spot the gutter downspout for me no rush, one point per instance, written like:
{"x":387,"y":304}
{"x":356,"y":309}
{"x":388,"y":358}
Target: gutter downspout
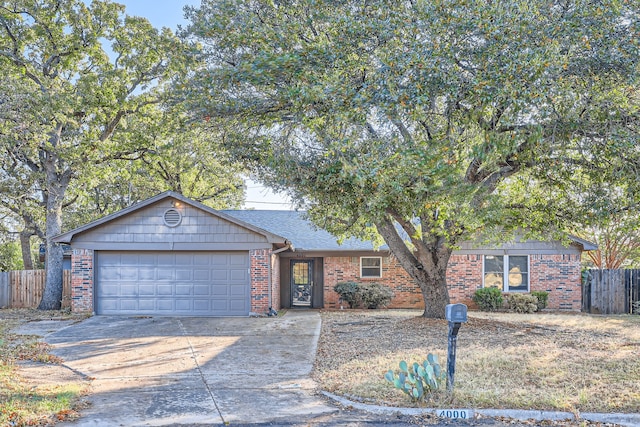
{"x":288,"y":246}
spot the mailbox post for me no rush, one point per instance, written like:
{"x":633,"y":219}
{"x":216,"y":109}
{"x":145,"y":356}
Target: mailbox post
{"x":456,"y":314}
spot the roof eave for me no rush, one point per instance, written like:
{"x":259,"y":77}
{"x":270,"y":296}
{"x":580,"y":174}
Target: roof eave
{"x":586,"y":245}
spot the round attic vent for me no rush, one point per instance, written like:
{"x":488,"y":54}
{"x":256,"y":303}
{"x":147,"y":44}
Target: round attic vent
{"x":172,"y":217}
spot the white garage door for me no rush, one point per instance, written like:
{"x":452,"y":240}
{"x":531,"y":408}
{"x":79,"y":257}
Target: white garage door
{"x":173,"y":283}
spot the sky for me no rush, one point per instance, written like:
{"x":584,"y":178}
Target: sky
{"x":169,"y":13}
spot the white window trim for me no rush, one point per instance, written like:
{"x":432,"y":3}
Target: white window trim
{"x":370,"y":277}
{"x":505,"y":273}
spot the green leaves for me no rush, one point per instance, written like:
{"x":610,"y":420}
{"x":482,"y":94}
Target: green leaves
{"x":81,"y":83}
{"x":471,"y":116}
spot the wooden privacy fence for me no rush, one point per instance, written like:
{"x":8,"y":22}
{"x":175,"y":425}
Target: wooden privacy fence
{"x":24,"y":288}
{"x":610,"y":291}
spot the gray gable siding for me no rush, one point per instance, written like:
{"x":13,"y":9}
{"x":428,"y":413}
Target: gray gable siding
{"x":144,"y":229}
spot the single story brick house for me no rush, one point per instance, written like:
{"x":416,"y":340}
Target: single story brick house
{"x":170,"y":255}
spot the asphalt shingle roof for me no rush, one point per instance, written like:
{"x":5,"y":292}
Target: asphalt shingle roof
{"x":294,"y":226}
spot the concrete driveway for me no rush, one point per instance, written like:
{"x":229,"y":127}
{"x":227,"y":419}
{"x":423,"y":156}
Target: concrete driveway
{"x":186,"y":371}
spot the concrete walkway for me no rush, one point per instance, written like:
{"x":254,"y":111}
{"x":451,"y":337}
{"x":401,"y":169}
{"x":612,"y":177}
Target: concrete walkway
{"x":213,"y":371}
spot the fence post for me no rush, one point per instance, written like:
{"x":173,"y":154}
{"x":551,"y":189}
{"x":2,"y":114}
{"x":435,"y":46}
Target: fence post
{"x":5,"y":289}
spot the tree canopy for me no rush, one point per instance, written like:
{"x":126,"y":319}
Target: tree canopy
{"x":82,"y":88}
{"x":428,"y":121}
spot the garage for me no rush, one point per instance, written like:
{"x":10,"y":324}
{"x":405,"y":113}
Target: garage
{"x":172,"y":283}
{"x":172,"y":256}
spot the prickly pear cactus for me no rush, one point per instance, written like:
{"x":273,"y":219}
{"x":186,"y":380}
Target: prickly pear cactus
{"x":417,"y":380}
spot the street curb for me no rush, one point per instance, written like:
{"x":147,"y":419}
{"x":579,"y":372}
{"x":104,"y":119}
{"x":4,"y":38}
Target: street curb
{"x":627,"y":420}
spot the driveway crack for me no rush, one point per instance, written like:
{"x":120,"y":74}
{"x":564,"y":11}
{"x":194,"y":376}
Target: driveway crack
{"x":204,"y":380}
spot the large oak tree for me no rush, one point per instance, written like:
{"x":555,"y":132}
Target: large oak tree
{"x":73,"y":75}
{"x":428,"y":121}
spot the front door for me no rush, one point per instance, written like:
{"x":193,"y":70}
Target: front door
{"x":301,"y":283}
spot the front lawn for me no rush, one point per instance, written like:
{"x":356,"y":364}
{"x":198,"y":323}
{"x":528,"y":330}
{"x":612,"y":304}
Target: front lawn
{"x":23,"y":402}
{"x":567,"y":362}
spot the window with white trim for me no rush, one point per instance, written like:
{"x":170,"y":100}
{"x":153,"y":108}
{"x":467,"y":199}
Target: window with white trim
{"x":370,"y":267}
{"x":510,"y":273}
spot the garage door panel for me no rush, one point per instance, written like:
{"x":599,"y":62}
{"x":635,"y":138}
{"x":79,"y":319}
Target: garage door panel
{"x":147,"y":259}
{"x":146,"y":290}
{"x":201,"y":290}
{"x":110,"y":273}
{"x":182,"y":290}
{"x":201,"y":274}
{"x":220,"y":260}
{"x":184,"y":274}
{"x":146,"y":274}
{"x":220,"y":305}
{"x":183,"y":305}
{"x":200,"y":259}
{"x":128,"y":290}
{"x":220,"y":275}
{"x":165,"y":258}
{"x":108,"y":304}
{"x":164,"y":290}
{"x":238,"y":275}
{"x":145,"y":304}
{"x":128,"y":304}
{"x":235,"y":304}
{"x":201,"y":305}
{"x":173,"y":283}
{"x":165,"y":273}
{"x":236,"y":291}
{"x":183,"y":259}
{"x":108,"y":290}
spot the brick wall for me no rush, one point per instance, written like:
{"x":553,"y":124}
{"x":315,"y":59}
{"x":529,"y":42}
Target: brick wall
{"x":557,"y":274}
{"x":464,"y":277}
{"x":347,"y":269}
{"x":82,"y":281}
{"x":260,"y":264}
{"x":560,"y":275}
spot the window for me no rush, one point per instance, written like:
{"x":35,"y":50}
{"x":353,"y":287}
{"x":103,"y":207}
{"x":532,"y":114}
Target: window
{"x":510,"y":273}
{"x":371,"y":267}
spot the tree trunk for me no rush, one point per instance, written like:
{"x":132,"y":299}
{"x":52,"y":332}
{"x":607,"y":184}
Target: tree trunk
{"x":56,"y":185}
{"x":52,"y":295}
{"x":427,"y":265}
{"x":433,"y":285}
{"x":25,"y":245}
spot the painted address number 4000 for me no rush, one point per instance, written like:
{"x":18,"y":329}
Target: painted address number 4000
{"x":463,"y":414}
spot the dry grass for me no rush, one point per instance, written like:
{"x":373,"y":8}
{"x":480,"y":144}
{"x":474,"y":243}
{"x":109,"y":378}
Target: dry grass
{"x":24,"y":402}
{"x":568,"y":362}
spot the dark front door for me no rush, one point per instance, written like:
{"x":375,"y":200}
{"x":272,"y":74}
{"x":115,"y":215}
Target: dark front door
{"x":301,"y":283}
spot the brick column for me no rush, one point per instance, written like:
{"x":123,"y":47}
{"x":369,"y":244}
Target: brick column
{"x":82,"y":281}
{"x":260,"y":260}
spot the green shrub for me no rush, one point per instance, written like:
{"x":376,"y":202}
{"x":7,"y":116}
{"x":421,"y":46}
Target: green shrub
{"x":369,"y":295}
{"x":542,"y":297}
{"x":488,"y":299}
{"x":374,"y":295}
{"x":348,"y":291}
{"x":522,"y":303}
{"x":418,"y":380}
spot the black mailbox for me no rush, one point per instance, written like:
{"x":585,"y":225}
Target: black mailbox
{"x":456,"y":313}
